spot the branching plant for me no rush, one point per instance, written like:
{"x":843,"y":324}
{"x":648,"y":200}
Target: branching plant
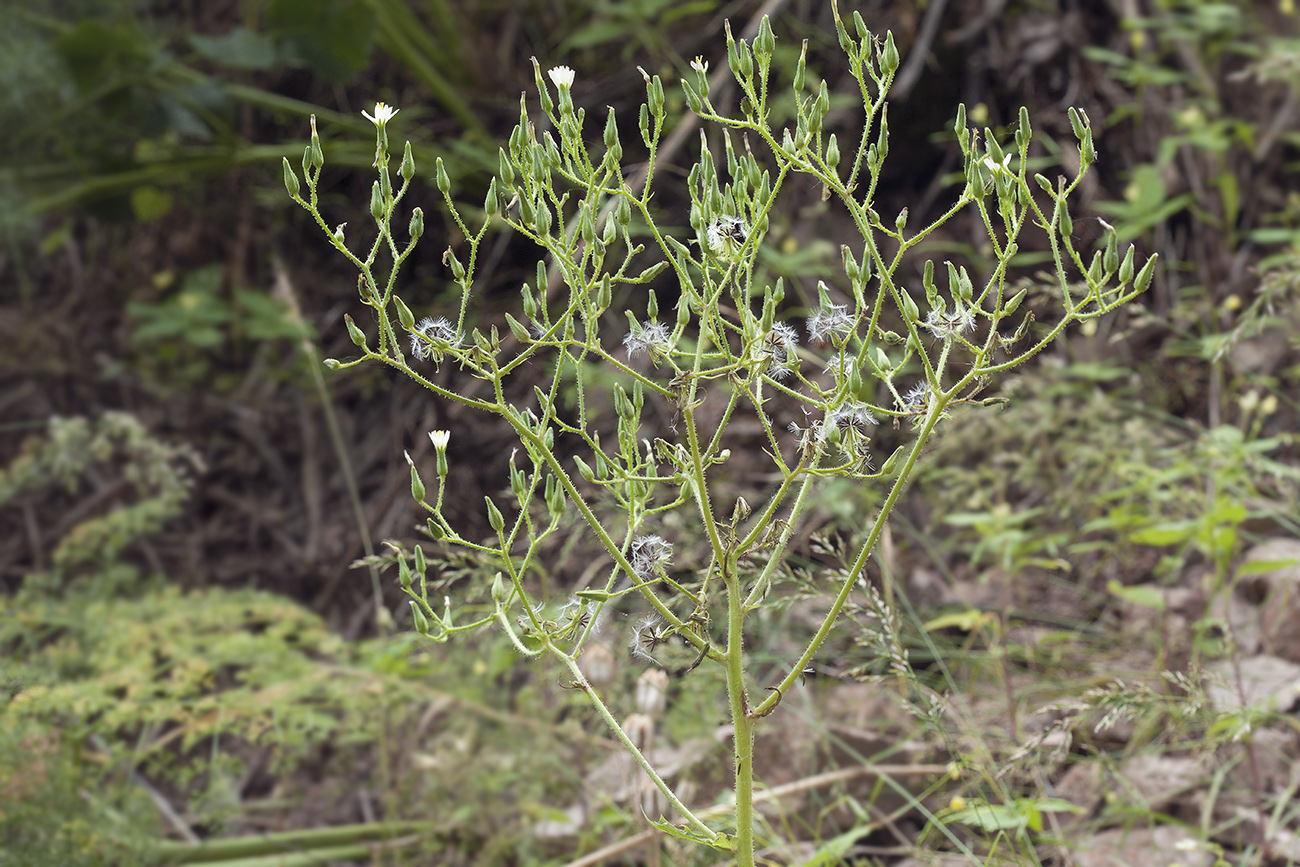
{"x":727,"y":343}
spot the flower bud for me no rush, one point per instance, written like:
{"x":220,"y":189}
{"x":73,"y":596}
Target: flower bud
{"x":417,"y":615}
{"x":440,"y":173}
{"x":417,"y":484}
{"x":497,"y":522}
{"x":832,"y":152}
{"x":357,"y":335}
{"x":376,"y":203}
{"x":404,"y":315}
{"x":290,"y":179}
{"x":317,"y":155}
{"x":498,"y":589}
{"x":765,"y":41}
{"x":889,"y":56}
{"x":416,"y":228}
{"x":1144,"y":276}
{"x":1126,"y":267}
{"x":584,"y":470}
{"x":407,"y":169}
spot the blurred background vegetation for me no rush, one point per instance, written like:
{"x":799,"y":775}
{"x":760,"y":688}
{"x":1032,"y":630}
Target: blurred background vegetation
{"x":188,"y":650}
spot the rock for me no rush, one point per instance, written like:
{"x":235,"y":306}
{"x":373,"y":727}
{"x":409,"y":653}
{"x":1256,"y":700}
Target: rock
{"x":1267,"y":683}
{"x":1277,"y":589}
{"x":1158,"y":781}
{"x":1165,"y":846}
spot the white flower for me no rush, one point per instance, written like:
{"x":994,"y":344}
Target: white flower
{"x":440,"y":438}
{"x":726,"y":236}
{"x":700,"y":65}
{"x":830,"y":324}
{"x":947,"y":326}
{"x":383,"y":114}
{"x":650,"y":555}
{"x":562,"y":76}
{"x":652,"y":337}
{"x":432,"y":337}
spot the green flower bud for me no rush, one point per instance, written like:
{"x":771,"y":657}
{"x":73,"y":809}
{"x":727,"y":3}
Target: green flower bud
{"x":692,"y":98}
{"x":1076,"y":123}
{"x":290,"y":179}
{"x":765,"y":41}
{"x":832,"y":152}
{"x":376,"y":203}
{"x":584,"y":470}
{"x":505,"y":171}
{"x":497,"y":522}
{"x":407,"y":169}
{"x":417,"y":485}
{"x":416,"y":228}
{"x":909,"y":307}
{"x":889,"y":56}
{"x":436,"y":533}
{"x":1014,"y":303}
{"x":317,"y":155}
{"x":420,"y":565}
{"x":1145,"y":276}
{"x":417,"y":615}
{"x":357,"y":335}
{"x":403,"y":573}
{"x":892,"y":463}
{"x":1066,"y":224}
{"x":331,"y":364}
{"x":498,"y":589}
{"x":1126,"y":267}
{"x":799,"y":70}
{"x":518,"y":329}
{"x":404,"y":314}
{"x":440,"y":173}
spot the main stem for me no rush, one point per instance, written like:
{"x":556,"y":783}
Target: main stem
{"x":741,"y":721}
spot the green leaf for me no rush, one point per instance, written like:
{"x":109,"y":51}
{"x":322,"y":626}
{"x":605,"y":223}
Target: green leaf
{"x":1146,"y":595}
{"x":332,"y":37}
{"x":241,"y":48}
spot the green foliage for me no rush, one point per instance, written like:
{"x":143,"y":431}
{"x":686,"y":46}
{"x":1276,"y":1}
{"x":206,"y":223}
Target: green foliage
{"x":241,"y":663}
{"x":59,"y":810}
{"x":158,"y":473}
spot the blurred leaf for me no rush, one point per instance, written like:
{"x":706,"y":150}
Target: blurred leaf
{"x":1143,"y":594}
{"x":148,"y":203}
{"x":241,"y":48}
{"x":332,"y":37}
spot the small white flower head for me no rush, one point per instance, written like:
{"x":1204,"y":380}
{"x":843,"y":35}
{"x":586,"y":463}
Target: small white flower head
{"x":562,"y":76}
{"x":830,"y":324}
{"x":841,"y":366}
{"x":646,"y":636}
{"x":652,"y":337}
{"x":917,"y":398}
{"x":946,"y":326}
{"x":650,"y":556}
{"x":780,"y":349}
{"x":700,"y":65}
{"x":440,"y":438}
{"x":383,"y":114}
{"x":726,"y":236}
{"x":853,"y":417}
{"x":432,"y":337}
{"x":811,"y":438}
